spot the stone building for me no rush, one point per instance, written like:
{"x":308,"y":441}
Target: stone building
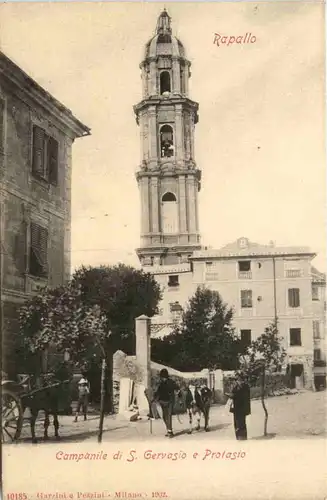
{"x":36,"y":137}
{"x":261,"y":282}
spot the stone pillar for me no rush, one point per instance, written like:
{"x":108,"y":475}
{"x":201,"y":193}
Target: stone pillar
{"x":143,"y":359}
{"x":141,"y":122}
{"x":176,"y":77}
{"x":191,"y":205}
{"x":186,"y":77}
{"x":145,"y":221}
{"x":182,"y":205}
{"x":153,"y":78}
{"x":196,"y":207}
{"x":153,"y":134}
{"x":143,"y":348}
{"x":144,"y":82}
{"x":155,"y":205}
{"x":178,"y":133}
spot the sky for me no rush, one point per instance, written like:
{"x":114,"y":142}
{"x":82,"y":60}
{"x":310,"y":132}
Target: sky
{"x":260,"y":137}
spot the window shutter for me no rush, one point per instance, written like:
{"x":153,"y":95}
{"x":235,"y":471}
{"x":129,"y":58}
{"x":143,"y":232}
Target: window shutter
{"x":316,"y":329}
{"x":38,"y":151}
{"x":53,"y":160}
{"x":294,"y":297}
{"x":39,"y":249}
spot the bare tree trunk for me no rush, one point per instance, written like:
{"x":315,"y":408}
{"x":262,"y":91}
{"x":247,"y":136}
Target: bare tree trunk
{"x":263,"y":377}
{"x":109,"y":376}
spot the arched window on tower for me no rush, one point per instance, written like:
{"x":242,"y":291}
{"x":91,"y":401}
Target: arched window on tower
{"x":165,"y":82}
{"x":164,"y":38}
{"x":169,"y":212}
{"x":166,"y":141}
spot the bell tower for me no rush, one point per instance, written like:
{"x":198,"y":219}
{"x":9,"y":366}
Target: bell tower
{"x":168,"y":178}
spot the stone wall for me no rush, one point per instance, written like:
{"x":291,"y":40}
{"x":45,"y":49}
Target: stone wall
{"x":127,"y":367}
{"x":276,"y":384}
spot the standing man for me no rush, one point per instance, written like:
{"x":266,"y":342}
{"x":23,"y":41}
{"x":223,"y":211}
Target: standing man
{"x":83,"y":397}
{"x":165,"y":394}
{"x":241,"y":406}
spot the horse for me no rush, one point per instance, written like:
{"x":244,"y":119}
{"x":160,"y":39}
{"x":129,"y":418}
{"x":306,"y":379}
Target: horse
{"x":45,"y":397}
{"x":198,"y":401}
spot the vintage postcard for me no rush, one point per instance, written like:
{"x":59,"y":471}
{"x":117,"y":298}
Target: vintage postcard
{"x":163,"y":258}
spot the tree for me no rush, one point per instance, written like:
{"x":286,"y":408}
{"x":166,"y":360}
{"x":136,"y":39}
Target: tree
{"x":265,"y":354}
{"x":123,"y":293}
{"x":57,"y":319}
{"x":204,"y":339}
{"x":93,"y":314}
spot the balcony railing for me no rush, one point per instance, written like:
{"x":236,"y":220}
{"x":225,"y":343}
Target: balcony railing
{"x":293,"y":273}
{"x":245,"y":275}
{"x":211,"y":276}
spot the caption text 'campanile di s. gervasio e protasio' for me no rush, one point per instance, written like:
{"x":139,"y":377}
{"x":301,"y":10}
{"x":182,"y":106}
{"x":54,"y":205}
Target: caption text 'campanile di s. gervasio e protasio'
{"x":168,"y":177}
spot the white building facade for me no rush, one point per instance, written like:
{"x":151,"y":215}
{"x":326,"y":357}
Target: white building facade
{"x":261,"y":282}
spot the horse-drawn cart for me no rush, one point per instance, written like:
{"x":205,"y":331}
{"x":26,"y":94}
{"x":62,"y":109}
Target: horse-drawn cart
{"x":12,"y":410}
{"x":18,"y":396}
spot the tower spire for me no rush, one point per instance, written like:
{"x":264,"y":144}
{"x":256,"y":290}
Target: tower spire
{"x":163,"y":23}
{"x":168,"y":177}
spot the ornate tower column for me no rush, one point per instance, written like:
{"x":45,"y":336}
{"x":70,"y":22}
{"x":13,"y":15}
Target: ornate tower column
{"x":168,"y":177}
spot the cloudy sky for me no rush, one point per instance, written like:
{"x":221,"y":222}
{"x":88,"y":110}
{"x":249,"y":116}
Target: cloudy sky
{"x":260,"y":138}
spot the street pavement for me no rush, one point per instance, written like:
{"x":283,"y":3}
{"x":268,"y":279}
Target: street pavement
{"x":302,"y":415}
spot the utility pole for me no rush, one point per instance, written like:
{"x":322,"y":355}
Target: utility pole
{"x":275,"y":293}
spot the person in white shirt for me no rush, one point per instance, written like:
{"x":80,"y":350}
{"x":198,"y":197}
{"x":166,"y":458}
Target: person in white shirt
{"x":83,"y":397}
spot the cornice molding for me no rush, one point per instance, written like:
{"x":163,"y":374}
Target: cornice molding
{"x":21,"y":82}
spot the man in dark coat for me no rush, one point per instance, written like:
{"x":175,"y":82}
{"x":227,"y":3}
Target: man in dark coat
{"x":165,"y":394}
{"x":241,"y":406}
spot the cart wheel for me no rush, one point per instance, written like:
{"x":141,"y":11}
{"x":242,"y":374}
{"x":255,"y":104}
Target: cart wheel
{"x":12,"y":417}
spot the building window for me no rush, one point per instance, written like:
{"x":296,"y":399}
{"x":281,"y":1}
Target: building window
{"x":317,"y":354}
{"x":38,"y":258}
{"x":315,"y":292}
{"x":246,"y":298}
{"x":295,"y":336}
{"x":244,"y":269}
{"x":244,"y":265}
{"x":169,"y":213}
{"x":211,"y":273}
{"x":173,"y":280}
{"x":316,"y":329}
{"x":246,"y":337}
{"x":166,"y":141}
{"x":45,"y":156}
{"x":176,"y":312}
{"x":165,"y":82}
{"x":294,"y":297}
